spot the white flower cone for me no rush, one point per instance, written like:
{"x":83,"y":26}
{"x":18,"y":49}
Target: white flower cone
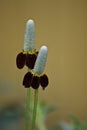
{"x":41,"y":60}
{"x":29,"y":37}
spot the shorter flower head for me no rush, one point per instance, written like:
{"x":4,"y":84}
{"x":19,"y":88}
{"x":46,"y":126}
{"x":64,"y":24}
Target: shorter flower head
{"x":36,"y":77}
{"x":41,"y":60}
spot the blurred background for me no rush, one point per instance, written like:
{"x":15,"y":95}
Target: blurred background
{"x":62,"y":26}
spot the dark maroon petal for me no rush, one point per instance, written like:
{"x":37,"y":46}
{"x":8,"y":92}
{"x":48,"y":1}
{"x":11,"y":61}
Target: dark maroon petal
{"x":20,"y":60}
{"x":44,"y":81}
{"x":35,"y":82}
{"x":27,"y":79}
{"x":30,"y":60}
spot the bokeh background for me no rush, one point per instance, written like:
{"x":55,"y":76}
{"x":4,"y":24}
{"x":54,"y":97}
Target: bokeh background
{"x":62,"y":26}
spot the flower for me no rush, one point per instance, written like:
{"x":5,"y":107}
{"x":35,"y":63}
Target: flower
{"x":29,"y":54}
{"x":36,"y":77}
{"x":33,"y":59}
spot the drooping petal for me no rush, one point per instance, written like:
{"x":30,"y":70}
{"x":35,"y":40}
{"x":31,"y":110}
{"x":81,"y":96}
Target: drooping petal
{"x":20,"y":60}
{"x":44,"y":81}
{"x":27,"y":79}
{"x":35,"y":82}
{"x":30,"y":60}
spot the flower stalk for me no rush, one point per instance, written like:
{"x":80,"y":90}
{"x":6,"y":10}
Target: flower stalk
{"x":27,"y":112}
{"x":28,"y":47}
{"x":35,"y":62}
{"x":35,"y":108}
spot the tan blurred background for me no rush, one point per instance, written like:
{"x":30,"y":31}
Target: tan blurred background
{"x":62,"y":26}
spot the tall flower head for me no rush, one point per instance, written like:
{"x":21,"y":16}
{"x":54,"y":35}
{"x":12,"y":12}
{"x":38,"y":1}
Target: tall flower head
{"x":29,"y":37}
{"x":29,"y":54}
{"x":36,"y":77}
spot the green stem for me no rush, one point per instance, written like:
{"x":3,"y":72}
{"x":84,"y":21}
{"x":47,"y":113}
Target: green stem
{"x":27,"y":109}
{"x":35,"y":108}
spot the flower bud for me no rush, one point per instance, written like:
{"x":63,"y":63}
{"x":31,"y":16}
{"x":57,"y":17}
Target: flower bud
{"x":29,"y":37}
{"x":41,"y":60}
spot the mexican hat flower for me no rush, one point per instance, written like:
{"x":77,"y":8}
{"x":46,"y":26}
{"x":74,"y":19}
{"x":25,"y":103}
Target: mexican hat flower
{"x":35,"y":78}
{"x":29,"y":54}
